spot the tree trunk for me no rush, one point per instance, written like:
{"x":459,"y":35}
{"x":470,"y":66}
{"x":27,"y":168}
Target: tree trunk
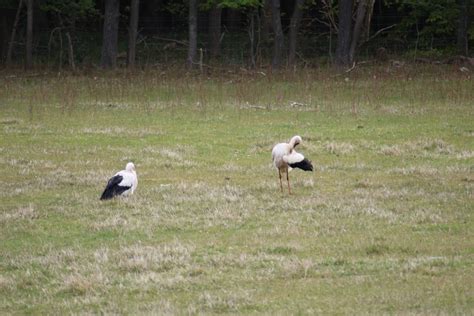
{"x":266,"y":21}
{"x":463,"y":28}
{"x":60,"y":49}
{"x":12,"y":38}
{"x":29,"y":34}
{"x":294,"y":27}
{"x":132,"y":32}
{"x":4,"y":35}
{"x":70,"y":47}
{"x":110,"y":34}
{"x":215,"y":31}
{"x":368,"y":20}
{"x":278,"y":40}
{"x":70,"y":50}
{"x":344,"y":33}
{"x":192,"y":49}
{"x":360,"y":17}
{"x":251,"y":32}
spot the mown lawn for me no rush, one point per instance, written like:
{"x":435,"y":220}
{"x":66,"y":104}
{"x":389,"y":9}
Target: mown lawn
{"x":383,"y":225}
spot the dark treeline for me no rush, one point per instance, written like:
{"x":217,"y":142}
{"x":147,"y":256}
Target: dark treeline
{"x":251,"y":33}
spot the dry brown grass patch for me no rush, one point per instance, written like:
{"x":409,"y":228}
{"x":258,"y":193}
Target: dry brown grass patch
{"x":225,"y":301}
{"x":22,"y":213}
{"x":139,"y":258}
{"x":77,"y":284}
{"x":339,"y":148}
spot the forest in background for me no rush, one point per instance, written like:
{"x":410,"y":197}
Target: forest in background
{"x":245,"y":33}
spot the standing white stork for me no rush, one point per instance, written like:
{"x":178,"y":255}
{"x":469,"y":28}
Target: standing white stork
{"x":285,"y":158}
{"x":122,"y":183}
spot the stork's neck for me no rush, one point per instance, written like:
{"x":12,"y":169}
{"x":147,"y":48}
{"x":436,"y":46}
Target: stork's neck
{"x":295,"y":141}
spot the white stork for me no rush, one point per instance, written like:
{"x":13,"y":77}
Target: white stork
{"x":122,"y":183}
{"x":285,"y":158}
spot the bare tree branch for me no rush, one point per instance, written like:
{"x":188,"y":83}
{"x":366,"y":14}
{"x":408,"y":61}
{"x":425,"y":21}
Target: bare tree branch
{"x":329,"y":13}
{"x":378,"y":33}
{"x":184,"y":43}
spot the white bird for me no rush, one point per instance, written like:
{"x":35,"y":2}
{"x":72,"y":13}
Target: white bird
{"x":122,"y":183}
{"x":285,"y":158}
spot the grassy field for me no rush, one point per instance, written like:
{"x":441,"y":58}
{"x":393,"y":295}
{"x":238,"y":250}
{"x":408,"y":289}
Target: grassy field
{"x":383,"y":225}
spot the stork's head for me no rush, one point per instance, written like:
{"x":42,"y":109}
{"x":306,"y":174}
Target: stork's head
{"x":130,"y":167}
{"x":295,"y":140}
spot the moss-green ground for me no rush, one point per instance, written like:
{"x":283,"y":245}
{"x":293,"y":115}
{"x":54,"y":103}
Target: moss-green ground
{"x":383,"y":225}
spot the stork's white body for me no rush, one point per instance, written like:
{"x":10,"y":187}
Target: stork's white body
{"x":124,"y":182}
{"x":129,"y":180}
{"x":285,"y":157}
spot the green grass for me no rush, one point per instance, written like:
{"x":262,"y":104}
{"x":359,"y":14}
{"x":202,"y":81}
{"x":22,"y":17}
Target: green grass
{"x":383,"y":225}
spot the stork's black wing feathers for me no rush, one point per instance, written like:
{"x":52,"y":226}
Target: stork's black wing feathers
{"x":113,"y":188}
{"x":305,"y":165}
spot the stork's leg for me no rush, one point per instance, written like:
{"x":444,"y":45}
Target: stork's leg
{"x":288,"y":181}
{"x":281,"y":184}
